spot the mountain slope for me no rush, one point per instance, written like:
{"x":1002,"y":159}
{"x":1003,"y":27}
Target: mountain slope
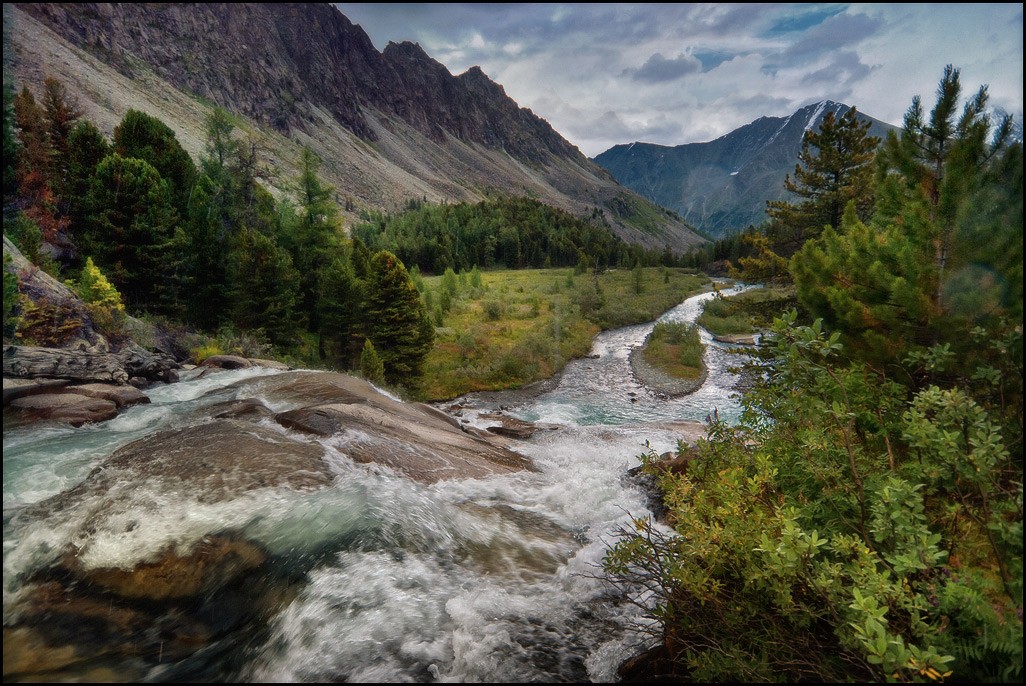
{"x":723,"y":185}
{"x":390,"y":126}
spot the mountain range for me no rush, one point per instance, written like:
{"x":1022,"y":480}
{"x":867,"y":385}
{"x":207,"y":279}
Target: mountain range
{"x":389,"y":126}
{"x":722,"y":186}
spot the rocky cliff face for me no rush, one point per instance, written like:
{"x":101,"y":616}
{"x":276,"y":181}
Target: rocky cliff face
{"x":723,"y":185}
{"x":390,"y":125}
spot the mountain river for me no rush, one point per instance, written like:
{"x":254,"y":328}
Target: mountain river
{"x":380,"y":578}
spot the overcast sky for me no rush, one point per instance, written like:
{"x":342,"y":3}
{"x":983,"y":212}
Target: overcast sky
{"x":672,"y":74}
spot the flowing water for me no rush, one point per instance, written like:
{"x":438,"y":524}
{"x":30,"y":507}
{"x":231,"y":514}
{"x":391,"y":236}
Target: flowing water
{"x":389,"y":580}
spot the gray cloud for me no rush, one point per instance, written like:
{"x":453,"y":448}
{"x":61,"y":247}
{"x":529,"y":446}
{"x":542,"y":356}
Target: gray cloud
{"x":658,"y":68}
{"x":679,"y":73}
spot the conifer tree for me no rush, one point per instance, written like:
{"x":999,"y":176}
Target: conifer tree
{"x":130,"y":230}
{"x":371,"y":366}
{"x":87,"y":147}
{"x":834,"y":168}
{"x":397,"y":321}
{"x":340,"y":310}
{"x":943,"y":159}
{"x":62,"y":113}
{"x":147,"y":138}
{"x":317,"y":234}
{"x":264,"y":288}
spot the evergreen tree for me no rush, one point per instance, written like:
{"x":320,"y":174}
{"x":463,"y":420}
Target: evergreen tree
{"x":87,"y":147}
{"x":340,"y":310}
{"x":263,"y":291}
{"x":397,"y":321}
{"x":316,"y":236}
{"x":944,"y":159}
{"x":62,"y":113}
{"x":130,"y":230}
{"x":371,"y":366}
{"x":883,"y":282}
{"x":834,"y":168}
{"x":147,"y":138}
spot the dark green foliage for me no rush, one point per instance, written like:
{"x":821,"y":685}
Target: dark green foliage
{"x":87,"y":147}
{"x":315,"y":236}
{"x":341,"y":306}
{"x":130,"y":232}
{"x":371,"y":366}
{"x":834,"y":168}
{"x":514,"y":232}
{"x":397,"y":321}
{"x":264,"y":287}
{"x":10,"y":298}
{"x":147,"y":138}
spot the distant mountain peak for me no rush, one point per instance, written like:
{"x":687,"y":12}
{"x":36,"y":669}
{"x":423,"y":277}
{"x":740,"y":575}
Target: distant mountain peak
{"x":722,"y":186}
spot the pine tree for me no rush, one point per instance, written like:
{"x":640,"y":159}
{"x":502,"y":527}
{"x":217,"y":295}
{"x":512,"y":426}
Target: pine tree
{"x":397,"y":321}
{"x":944,"y":159}
{"x":371,"y":366}
{"x":264,"y":289}
{"x":130,"y":231}
{"x":834,"y":168}
{"x":147,"y":138}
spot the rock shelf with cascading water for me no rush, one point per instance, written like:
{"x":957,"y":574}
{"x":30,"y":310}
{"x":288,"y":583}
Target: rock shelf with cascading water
{"x":255,"y":524}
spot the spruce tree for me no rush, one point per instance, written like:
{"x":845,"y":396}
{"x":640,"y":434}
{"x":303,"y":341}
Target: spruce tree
{"x":130,"y":230}
{"x":397,"y":321}
{"x":147,"y":138}
{"x":340,"y":310}
{"x":263,"y":290}
{"x":371,"y":367}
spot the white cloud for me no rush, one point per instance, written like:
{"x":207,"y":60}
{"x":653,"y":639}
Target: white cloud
{"x":682,"y":73}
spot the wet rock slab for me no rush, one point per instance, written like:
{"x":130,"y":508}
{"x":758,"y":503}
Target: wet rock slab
{"x":415,"y":440}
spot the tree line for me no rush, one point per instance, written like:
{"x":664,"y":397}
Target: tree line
{"x":513,"y":232}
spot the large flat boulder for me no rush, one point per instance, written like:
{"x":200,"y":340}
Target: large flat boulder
{"x":64,"y":407}
{"x":367,"y":425}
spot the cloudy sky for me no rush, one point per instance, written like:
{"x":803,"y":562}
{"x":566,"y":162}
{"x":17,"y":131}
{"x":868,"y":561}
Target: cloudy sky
{"x":682,"y":73}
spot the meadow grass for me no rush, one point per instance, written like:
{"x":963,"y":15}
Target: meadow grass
{"x":520,"y":326}
{"x":675,"y":348}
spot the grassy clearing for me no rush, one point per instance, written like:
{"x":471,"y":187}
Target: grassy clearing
{"x":504,"y":329}
{"x":746,"y":312}
{"x":675,"y":348}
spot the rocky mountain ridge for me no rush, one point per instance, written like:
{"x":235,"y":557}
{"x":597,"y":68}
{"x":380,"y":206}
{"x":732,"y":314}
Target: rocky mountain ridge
{"x":390,"y":125}
{"x":722,"y":186}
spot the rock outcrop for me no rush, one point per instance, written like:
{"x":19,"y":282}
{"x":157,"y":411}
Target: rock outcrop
{"x":368,"y":426}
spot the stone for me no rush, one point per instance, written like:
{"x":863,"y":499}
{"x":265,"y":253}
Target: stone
{"x":122,"y":396}
{"x":210,"y":564}
{"x":19,"y":388}
{"x":227,"y":362}
{"x":70,"y":408}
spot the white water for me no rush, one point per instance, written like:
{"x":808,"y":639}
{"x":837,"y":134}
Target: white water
{"x":475,"y":580}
